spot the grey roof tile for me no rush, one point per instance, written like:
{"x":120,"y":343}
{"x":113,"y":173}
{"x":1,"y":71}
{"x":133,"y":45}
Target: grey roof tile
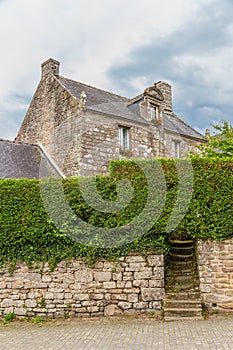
{"x":115,"y":105}
{"x":173,"y":123}
{"x":18,"y":160}
{"x":102,"y":101}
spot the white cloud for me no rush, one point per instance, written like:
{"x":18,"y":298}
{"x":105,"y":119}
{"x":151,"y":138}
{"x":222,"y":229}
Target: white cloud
{"x":90,"y":37}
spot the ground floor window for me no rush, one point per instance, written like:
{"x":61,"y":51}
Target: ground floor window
{"x":175,"y":149}
{"x":124,"y":138}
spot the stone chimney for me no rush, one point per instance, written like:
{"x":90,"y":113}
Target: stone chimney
{"x":50,"y":66}
{"x":166,"y":90}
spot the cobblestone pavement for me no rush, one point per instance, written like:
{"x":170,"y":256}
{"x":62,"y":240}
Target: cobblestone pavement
{"x":131,"y":334}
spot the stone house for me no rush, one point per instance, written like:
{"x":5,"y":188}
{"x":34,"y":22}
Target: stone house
{"x":81,"y":128}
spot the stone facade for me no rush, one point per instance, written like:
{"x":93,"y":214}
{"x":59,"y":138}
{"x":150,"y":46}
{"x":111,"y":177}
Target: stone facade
{"x":78,"y":125}
{"x":131,"y":286}
{"x":215,"y":265}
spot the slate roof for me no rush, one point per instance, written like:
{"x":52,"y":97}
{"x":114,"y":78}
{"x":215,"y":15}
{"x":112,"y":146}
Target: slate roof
{"x":108,"y":103}
{"x":102,"y":101}
{"x":173,"y":123}
{"x":18,"y":160}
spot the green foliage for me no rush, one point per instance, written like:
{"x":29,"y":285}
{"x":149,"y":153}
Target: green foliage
{"x":38,"y":320}
{"x":8,"y":318}
{"x":220,"y":144}
{"x":42,"y":302}
{"x":27,"y":233}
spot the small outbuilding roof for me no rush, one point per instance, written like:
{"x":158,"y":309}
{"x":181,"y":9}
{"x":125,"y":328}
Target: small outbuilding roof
{"x":18,"y":160}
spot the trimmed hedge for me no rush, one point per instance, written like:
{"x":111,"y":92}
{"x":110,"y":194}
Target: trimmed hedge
{"x":27,"y":232}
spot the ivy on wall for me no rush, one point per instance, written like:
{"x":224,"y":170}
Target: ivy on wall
{"x":27,"y":232}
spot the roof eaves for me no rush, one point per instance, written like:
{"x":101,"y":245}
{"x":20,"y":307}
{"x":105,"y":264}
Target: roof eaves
{"x":185,"y":135}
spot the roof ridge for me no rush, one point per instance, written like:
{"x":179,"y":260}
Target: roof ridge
{"x":19,"y":142}
{"x":93,"y":87}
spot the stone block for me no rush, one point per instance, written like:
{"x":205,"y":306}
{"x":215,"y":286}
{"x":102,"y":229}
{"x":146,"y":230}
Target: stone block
{"x":93,"y":309}
{"x":141,"y":283}
{"x":152,"y":294}
{"x":134,"y":259}
{"x":133,"y":298}
{"x":156,"y":283}
{"x":112,"y":310}
{"x":128,"y":284}
{"x":18,"y":303}
{"x":103,"y":276}
{"x":81,"y":297}
{"x":158,"y":272}
{"x":89,"y":303}
{"x":96,"y":296}
{"x":109,"y":285}
{"x":46,"y":278}
{"x":7,"y":303}
{"x":17,"y":284}
{"x":140,"y":305}
{"x":124,"y":305}
{"x":117,"y":276}
{"x":30,"y":303}
{"x":83,"y":276}
{"x":99,"y":265}
{"x":141,"y":275}
{"x":19,"y":311}
{"x":136,"y":266}
{"x":155,"y":260}
{"x":120,"y":284}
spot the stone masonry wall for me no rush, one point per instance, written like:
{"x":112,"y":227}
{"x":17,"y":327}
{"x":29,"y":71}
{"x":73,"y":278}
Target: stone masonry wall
{"x":215,"y":265}
{"x":131,"y":286}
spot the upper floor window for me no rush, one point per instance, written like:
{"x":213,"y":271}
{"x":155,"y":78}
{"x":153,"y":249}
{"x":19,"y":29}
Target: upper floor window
{"x":123,"y":138}
{"x":154,"y":112}
{"x":175,"y":149}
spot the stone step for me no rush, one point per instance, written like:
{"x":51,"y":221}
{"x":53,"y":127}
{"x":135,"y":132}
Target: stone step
{"x":184,"y":304}
{"x":172,"y":318}
{"x":182,"y":246}
{"x":179,"y":280}
{"x":179,"y":288}
{"x":181,"y":265}
{"x":189,"y":295}
{"x":182,"y":242}
{"x":182,"y":251}
{"x":182,"y":257}
{"x":182,"y":312}
{"x":178,"y":272}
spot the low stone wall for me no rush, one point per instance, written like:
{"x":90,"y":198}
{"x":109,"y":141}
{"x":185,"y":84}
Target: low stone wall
{"x":215,"y":266}
{"x":131,"y":286}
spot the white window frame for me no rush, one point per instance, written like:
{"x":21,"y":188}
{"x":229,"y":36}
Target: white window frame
{"x":154,"y":112}
{"x":123,"y":135}
{"x":175,"y":149}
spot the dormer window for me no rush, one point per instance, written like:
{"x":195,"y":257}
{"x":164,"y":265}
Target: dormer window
{"x":154,"y":112}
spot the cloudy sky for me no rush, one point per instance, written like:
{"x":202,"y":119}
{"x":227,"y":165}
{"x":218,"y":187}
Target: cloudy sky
{"x":123,"y":46}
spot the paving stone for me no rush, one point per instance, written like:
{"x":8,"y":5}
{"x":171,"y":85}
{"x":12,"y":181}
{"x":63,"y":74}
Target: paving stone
{"x":121,"y":333}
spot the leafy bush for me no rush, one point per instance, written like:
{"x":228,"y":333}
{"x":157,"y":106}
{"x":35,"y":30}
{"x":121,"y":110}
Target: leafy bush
{"x":27,"y":232}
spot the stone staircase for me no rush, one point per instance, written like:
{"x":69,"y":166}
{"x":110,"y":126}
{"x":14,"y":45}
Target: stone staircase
{"x":181,"y":283}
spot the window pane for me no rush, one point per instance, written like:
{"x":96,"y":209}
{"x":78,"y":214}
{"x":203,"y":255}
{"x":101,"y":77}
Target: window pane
{"x":124,"y":138}
{"x":175,"y":149}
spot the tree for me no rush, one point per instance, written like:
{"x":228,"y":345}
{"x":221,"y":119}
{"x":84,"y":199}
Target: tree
{"x":220,"y":144}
